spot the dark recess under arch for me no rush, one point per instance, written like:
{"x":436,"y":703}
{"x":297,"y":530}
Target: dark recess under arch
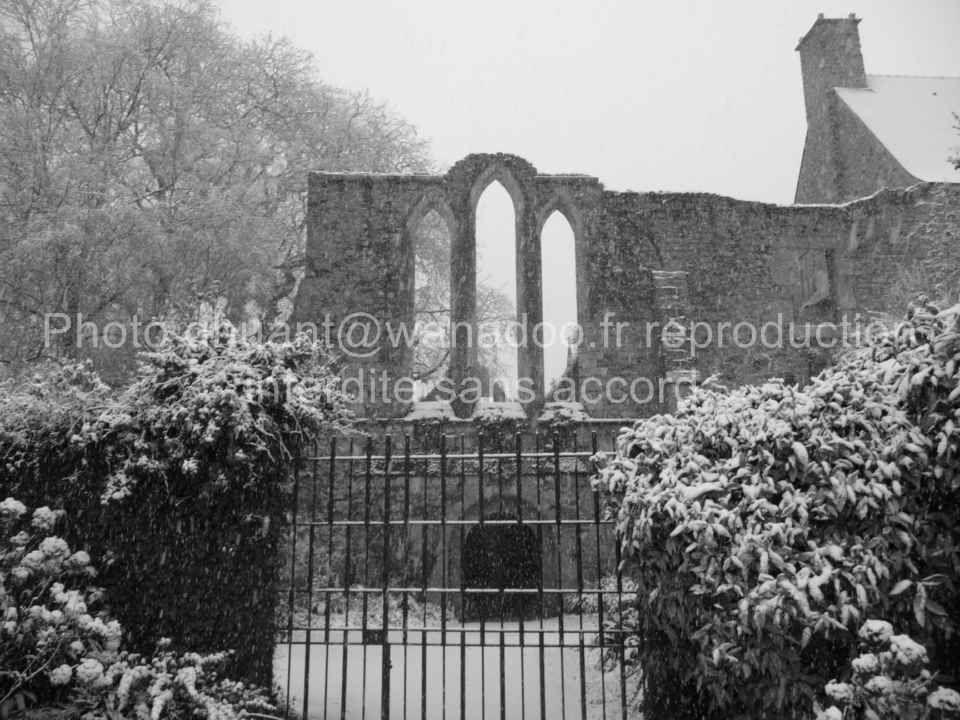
{"x":501,"y":556}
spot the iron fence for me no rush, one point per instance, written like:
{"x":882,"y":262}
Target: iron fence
{"x":462,"y":583}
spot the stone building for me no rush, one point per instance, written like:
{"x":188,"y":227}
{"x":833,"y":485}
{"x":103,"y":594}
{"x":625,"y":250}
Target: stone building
{"x":867,"y":132}
{"x":701,"y":285}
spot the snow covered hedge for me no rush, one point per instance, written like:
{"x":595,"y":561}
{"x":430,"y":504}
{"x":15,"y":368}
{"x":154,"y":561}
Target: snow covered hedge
{"x":178,"y":483}
{"x":765,"y":525}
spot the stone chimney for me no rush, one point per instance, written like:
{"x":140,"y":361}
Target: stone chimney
{"x":830,"y":57}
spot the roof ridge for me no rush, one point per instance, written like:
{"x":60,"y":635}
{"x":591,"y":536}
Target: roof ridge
{"x":917,"y":77}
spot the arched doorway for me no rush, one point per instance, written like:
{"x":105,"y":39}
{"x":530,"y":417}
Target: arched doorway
{"x":501,"y":556}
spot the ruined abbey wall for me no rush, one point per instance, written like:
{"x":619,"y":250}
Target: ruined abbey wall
{"x":709,"y":263}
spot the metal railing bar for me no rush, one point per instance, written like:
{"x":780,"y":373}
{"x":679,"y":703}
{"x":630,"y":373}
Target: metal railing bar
{"x":310,"y":563}
{"x":366,"y":569}
{"x":623,"y":670}
{"x":406,"y":544}
{"x":434,"y":590}
{"x":385,"y":576}
{"x":558,"y":513}
{"x":293,"y":574}
{"x":424,"y":580}
{"x":459,"y":629}
{"x":541,"y":648}
{"x":346,"y":580}
{"x":501,"y":601}
{"x":520,"y":609}
{"x":439,"y":521}
{"x":326,"y":610}
{"x":443,"y":569}
{"x":463,"y":647}
{"x":460,"y":456}
{"x":482,"y":491}
{"x":579,"y":553}
{"x":600,"y":596}
{"x":572,"y":645}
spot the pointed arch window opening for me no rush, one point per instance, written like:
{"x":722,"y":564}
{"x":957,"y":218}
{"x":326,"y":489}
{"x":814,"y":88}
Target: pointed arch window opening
{"x":561,"y":335}
{"x":496,"y":294}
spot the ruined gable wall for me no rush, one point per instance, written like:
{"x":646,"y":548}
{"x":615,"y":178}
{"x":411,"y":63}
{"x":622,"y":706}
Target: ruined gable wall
{"x":750,"y":278}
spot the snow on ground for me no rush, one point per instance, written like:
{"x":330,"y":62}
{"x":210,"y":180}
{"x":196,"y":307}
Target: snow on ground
{"x":520,"y":666}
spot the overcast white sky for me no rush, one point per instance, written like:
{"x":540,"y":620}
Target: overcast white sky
{"x":684,"y":95}
{"x":671,"y":95}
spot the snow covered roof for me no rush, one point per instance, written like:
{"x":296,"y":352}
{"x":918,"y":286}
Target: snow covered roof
{"x":913,"y":117}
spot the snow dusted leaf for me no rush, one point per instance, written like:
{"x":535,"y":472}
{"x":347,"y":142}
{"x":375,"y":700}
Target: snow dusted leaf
{"x":900,"y":587}
{"x":800,"y":451}
{"x":920,"y":605}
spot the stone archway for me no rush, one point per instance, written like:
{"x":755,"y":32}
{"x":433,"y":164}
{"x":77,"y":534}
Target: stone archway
{"x":501,"y":556}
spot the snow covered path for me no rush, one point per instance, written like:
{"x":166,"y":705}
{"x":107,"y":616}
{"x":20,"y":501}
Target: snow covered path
{"x":521,"y":676}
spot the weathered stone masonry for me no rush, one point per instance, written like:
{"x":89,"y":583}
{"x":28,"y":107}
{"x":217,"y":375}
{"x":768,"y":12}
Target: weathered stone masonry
{"x":642,"y":259}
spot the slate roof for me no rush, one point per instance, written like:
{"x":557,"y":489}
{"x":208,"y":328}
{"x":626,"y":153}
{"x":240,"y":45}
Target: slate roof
{"x":913,"y":117}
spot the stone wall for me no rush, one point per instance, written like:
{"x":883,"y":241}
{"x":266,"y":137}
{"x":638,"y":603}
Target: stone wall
{"x":711,"y":271}
{"x":903,"y":242}
{"x":792,"y":265}
{"x":745,"y":262}
{"x":360,"y":260}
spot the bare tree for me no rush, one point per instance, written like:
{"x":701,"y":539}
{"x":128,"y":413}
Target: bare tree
{"x":150,"y":157}
{"x":432,"y":341}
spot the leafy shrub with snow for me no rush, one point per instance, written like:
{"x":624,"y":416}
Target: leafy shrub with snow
{"x":59,"y":646}
{"x":178,"y":484}
{"x":764,"y":525}
{"x":889,"y":680}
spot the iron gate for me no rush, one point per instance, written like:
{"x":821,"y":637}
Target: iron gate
{"x":461,"y":584}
